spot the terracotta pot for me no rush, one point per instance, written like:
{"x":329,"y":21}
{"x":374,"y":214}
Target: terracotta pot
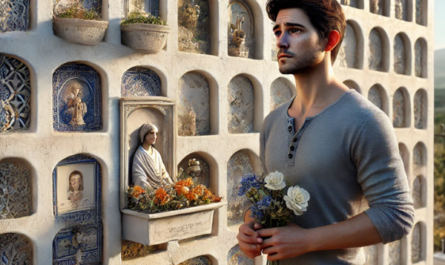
{"x":81,"y":31}
{"x":147,"y":38}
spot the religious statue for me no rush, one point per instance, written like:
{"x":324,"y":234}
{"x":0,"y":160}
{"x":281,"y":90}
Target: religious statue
{"x":148,"y":170}
{"x":238,"y":47}
{"x":375,"y":6}
{"x":76,"y":107}
{"x":399,"y":9}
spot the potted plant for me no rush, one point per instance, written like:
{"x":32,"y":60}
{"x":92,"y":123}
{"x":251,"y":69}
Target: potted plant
{"x":76,"y":24}
{"x":144,"y":32}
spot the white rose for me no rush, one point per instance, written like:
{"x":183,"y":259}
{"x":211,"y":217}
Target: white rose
{"x":274,"y":181}
{"x":296,"y":199}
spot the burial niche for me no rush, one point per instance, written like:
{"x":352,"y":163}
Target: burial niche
{"x":353,"y":3}
{"x":15,"y":189}
{"x":420,"y":109}
{"x":60,"y":6}
{"x":14,"y":15}
{"x":196,"y":167}
{"x":132,"y":250}
{"x":416,"y":243}
{"x":420,"y":50}
{"x":241,"y":105}
{"x":347,"y":54}
{"x":15,"y":95}
{"x":140,"y":82}
{"x":419,"y":159}
{"x":379,"y":7}
{"x":401,"y":109}
{"x":241,"y":29}
{"x":77,"y":98}
{"x":280,"y":92}
{"x":194,"y":105}
{"x":237,"y":257}
{"x":376,"y":50}
{"x":239,"y":165}
{"x":375,"y":96}
{"x":202,"y":260}
{"x":404,"y":154}
{"x":421,"y":12}
{"x":273,"y":44}
{"x":352,"y":85}
{"x":395,"y":249}
{"x":400,"y":55}
{"x":15,"y":249}
{"x":402,"y":10}
{"x":194,"y":26}
{"x":419,"y":186}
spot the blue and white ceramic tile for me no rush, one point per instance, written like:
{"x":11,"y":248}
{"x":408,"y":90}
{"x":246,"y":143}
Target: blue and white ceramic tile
{"x":76,"y":99}
{"x":61,"y":5}
{"x":15,"y":249}
{"x":140,"y":81}
{"x":15,"y":95}
{"x":237,"y":257}
{"x":14,"y":15}
{"x":78,"y":245}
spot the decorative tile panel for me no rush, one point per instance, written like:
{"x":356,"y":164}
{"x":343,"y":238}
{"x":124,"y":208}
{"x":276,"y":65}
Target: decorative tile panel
{"x":15,"y":190}
{"x":237,"y":257}
{"x":14,"y":15}
{"x":399,"y":55}
{"x":196,"y":167}
{"x":241,"y":105}
{"x":375,"y":97}
{"x":194,"y":21}
{"x":347,"y":54}
{"x":280,"y":92}
{"x":60,"y":6}
{"x":395,"y":249}
{"x":140,"y":82}
{"x":15,"y":95}
{"x":375,"y":51}
{"x":194,"y":105}
{"x":238,"y":166}
{"x":241,"y":29}
{"x":202,"y":260}
{"x":77,"y":99}
{"x":399,"y":109}
{"x":15,"y":249}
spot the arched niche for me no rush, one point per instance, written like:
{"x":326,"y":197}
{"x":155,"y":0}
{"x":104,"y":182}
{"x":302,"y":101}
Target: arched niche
{"x":379,"y":7}
{"x":197,"y":104}
{"x":242,"y":163}
{"x":421,"y":58}
{"x":16,"y":189}
{"x":403,"y":10}
{"x":202,"y":167}
{"x":353,"y":3}
{"x":420,"y":109}
{"x":15,"y":15}
{"x":148,"y":6}
{"x":241,"y":105}
{"x":418,"y":238}
{"x":201,"y":260}
{"x":237,"y":257}
{"x":419,"y":192}
{"x":141,"y":82}
{"x":401,"y":109}
{"x":194,"y":20}
{"x":377,"y":95}
{"x":402,"y":55}
{"x":404,"y":154}
{"x":281,"y":91}
{"x":351,"y":50}
{"x":15,"y":95}
{"x":352,"y":85}
{"x":419,"y":157}
{"x":395,"y":252}
{"x":77,"y":98}
{"x":15,"y":249}
{"x":132,"y":250}
{"x":60,"y":6}
{"x":378,"y":50}
{"x":422,"y":12}
{"x":241,"y":30}
{"x":273,"y":43}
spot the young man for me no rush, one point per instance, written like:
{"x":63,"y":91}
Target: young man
{"x":332,"y":142}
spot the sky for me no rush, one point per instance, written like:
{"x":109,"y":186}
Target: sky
{"x":439,"y":23}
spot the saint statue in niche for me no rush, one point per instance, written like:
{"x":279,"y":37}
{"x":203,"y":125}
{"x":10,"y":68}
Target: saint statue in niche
{"x":148,"y":170}
{"x":238,"y":47}
{"x":75,"y":200}
{"x":76,"y":107}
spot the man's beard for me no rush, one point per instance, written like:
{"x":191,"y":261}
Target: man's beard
{"x":304,"y":63}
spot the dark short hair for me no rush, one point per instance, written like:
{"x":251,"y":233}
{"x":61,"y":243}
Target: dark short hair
{"x":76,"y":172}
{"x":324,"y":15}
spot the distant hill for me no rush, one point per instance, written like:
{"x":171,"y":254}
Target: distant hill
{"x":439,"y":68}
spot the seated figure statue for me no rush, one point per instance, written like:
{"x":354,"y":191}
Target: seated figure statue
{"x":148,"y":170}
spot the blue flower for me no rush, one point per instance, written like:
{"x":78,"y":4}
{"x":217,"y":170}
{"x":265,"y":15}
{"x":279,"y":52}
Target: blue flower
{"x":247,"y":183}
{"x":264,"y":203}
{"x":256,"y":212}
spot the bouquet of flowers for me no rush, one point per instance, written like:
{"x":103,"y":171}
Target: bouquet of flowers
{"x":182,"y":194}
{"x":273,"y":201}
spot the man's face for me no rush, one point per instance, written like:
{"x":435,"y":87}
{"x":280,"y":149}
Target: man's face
{"x":300,"y":48}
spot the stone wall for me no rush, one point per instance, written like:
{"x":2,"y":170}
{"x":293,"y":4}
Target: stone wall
{"x":227,"y":85}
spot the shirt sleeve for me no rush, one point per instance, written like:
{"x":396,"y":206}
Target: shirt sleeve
{"x":381,"y":174}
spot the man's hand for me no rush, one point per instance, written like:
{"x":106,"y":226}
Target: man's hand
{"x":248,"y":239}
{"x":284,"y":242}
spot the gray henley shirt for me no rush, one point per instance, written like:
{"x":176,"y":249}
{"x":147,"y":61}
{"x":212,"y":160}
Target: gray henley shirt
{"x":347,"y":158}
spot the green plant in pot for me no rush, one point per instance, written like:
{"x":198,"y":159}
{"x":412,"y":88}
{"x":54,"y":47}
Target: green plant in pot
{"x":77,"y":24}
{"x":144,"y":32}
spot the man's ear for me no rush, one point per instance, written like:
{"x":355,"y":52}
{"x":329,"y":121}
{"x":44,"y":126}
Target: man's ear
{"x":333,"y":40}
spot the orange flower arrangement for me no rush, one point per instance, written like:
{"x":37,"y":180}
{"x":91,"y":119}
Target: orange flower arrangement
{"x":137,"y":191}
{"x":161,"y":196}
